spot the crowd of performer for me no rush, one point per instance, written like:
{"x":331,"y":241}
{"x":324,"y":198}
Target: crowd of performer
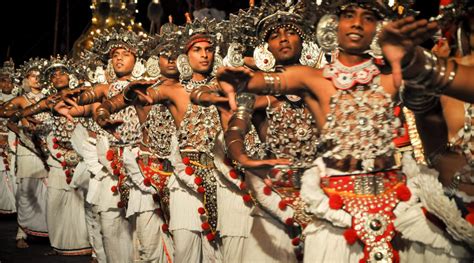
{"x":312,"y":130}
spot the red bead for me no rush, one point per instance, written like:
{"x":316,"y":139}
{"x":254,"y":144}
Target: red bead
{"x":233,"y":174}
{"x":114,"y":189}
{"x":68,"y":180}
{"x":189,"y":170}
{"x":205,"y":226}
{"x":68,"y":173}
{"x":282,"y":205}
{"x":121,"y":177}
{"x":116,"y":172}
{"x":247,"y":198}
{"x":242,"y":186}
{"x":265,"y":61}
{"x":55,"y":146}
{"x":121,"y":204}
{"x":350,"y":235}
{"x":110,"y":155}
{"x":403,"y":193}
{"x":164,"y":227}
{"x":289,"y":221}
{"x":267,"y":190}
{"x":63,"y":164}
{"x":308,"y":56}
{"x":210,"y":236}
{"x":201,"y":210}
{"x":295,"y":241}
{"x":198,"y":180}
{"x":335,"y":202}
{"x":186,"y":160}
{"x":55,"y":140}
{"x":147,"y":182}
{"x":58,"y":155}
{"x":201,"y":190}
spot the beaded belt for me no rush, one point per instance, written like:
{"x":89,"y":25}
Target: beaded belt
{"x":115,"y":157}
{"x":201,"y":166}
{"x":156,"y":172}
{"x":370,"y":199}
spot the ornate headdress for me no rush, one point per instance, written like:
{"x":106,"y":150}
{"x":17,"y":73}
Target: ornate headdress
{"x":107,"y":42}
{"x":91,"y":67}
{"x":195,"y":32}
{"x":62,"y":63}
{"x":38,"y":64}
{"x":8,"y":68}
{"x":275,"y":14}
{"x":383,"y":9}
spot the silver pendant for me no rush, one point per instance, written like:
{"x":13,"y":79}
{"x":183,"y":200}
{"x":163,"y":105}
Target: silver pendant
{"x":184,"y":68}
{"x":264,"y":59}
{"x":326,"y":33}
{"x":153,"y":67}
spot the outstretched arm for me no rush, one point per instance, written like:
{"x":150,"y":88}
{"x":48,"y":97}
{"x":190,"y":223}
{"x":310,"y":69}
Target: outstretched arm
{"x":239,"y":126}
{"x":237,"y":80}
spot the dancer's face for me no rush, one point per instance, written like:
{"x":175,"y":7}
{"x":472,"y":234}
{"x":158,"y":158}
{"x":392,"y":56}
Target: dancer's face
{"x":60,"y":79}
{"x":33,"y":79}
{"x":123,"y":61}
{"x":285,"y":44}
{"x":201,"y":57}
{"x":168,"y":67}
{"x":357,"y":27}
{"x":6,"y":84}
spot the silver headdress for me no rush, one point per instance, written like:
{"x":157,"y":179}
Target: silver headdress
{"x":8,"y":68}
{"x":61,"y":63}
{"x":110,"y":40}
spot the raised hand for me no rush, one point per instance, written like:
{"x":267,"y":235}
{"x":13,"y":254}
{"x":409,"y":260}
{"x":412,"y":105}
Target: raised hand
{"x":138,"y":88}
{"x":231,"y":80}
{"x":399,"y":39}
{"x":64,"y":109}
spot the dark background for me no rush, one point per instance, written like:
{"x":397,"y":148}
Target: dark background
{"x":28,"y":25}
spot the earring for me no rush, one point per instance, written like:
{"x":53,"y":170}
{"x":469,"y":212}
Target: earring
{"x":184,"y":68}
{"x":73,"y":81}
{"x":375,"y":49}
{"x":326,"y":33}
{"x":153,"y":67}
{"x":110,"y":73}
{"x":234,"y":56}
{"x":218,"y":61}
{"x":264,"y":59}
{"x":311,"y":54}
{"x":138,"y":69}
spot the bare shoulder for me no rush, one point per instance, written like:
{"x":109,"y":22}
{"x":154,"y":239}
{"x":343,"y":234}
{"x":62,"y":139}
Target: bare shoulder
{"x":386,"y":80}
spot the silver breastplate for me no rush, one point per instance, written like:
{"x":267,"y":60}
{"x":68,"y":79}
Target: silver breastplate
{"x":63,"y":129}
{"x":292,"y":133}
{"x":160,"y":128}
{"x":360,"y":123}
{"x":129,"y":131}
{"x":199,"y":128}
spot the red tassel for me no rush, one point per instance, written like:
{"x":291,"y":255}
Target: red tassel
{"x":247,"y":198}
{"x":198,"y":180}
{"x":164,"y":227}
{"x":189,"y":170}
{"x":210,"y":236}
{"x":335,"y":202}
{"x":295,"y":241}
{"x":282,"y":205}
{"x":205,"y":226}
{"x":233,"y":174}
{"x":147,"y":181}
{"x":201,"y":210}
{"x":403,"y":193}
{"x":350,"y":235}
{"x":267,"y":190}
{"x":470,"y":218}
{"x":110,"y":155}
{"x":186,"y":160}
